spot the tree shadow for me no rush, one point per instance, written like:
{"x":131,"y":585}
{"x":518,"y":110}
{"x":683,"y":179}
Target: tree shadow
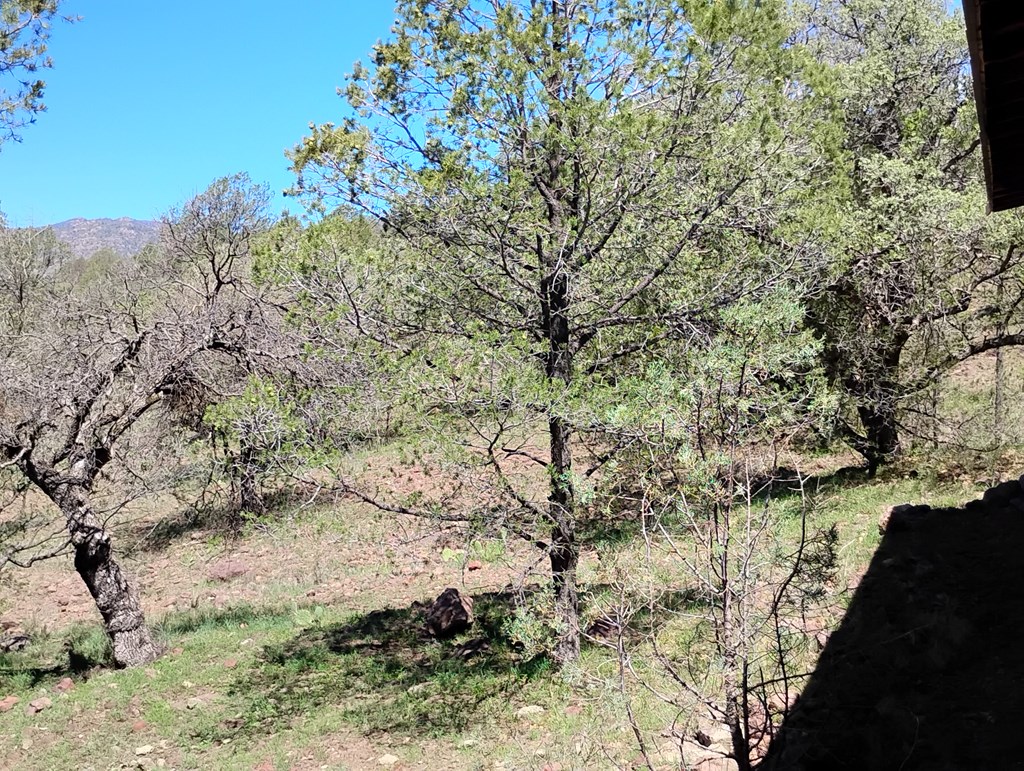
{"x":923,"y":671}
{"x":48,"y":658}
{"x":382,"y":672}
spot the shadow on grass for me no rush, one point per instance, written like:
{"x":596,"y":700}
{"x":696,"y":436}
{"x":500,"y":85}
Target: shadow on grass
{"x":923,"y":671}
{"x":83,"y":648}
{"x":382,"y":672}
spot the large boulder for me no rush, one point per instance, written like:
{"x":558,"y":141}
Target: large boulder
{"x":450,"y":614}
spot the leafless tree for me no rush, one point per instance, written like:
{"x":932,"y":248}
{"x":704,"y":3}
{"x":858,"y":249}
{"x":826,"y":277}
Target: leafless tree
{"x":85,"y":369}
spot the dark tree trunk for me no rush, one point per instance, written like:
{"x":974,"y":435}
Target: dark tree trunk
{"x":115,"y":597}
{"x":562,"y":498}
{"x":250,"y":492}
{"x":877,"y":392}
{"x":564,"y":551}
{"x":881,"y":433}
{"x":556,"y":259}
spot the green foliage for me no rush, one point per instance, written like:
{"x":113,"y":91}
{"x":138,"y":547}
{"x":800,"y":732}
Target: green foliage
{"x":24,"y":30}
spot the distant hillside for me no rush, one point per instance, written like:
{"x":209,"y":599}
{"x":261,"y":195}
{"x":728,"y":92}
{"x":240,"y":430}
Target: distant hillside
{"x":124,"y":236}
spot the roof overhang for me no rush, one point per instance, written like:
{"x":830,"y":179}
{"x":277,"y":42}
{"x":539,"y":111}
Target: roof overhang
{"x":995,"y":34}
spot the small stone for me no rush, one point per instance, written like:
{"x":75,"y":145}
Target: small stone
{"x":556,"y":766}
{"x":467,"y":743}
{"x":387,"y":760}
{"x":139,"y":726}
{"x":573,"y":710}
{"x":230,"y":663}
{"x":38,"y":705}
{"x":8,"y":703}
{"x":530,"y":711}
{"x":64,"y":685}
{"x":145,"y":749}
{"x":177,"y":651}
{"x":475,"y":565}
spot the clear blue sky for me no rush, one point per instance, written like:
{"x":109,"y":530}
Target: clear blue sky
{"x":150,"y":101}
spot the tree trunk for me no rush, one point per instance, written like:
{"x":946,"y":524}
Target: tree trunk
{"x":564,"y":551}
{"x":564,"y":554}
{"x":115,"y":597}
{"x":881,"y":432}
{"x":877,"y":406}
{"x":250,"y":493}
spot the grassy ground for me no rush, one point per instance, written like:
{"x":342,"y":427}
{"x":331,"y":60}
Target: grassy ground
{"x":300,"y":646}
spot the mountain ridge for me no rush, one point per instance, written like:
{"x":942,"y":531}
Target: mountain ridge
{"x":123,"y":235}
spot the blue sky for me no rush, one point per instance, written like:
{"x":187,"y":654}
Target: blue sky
{"x":150,"y":101}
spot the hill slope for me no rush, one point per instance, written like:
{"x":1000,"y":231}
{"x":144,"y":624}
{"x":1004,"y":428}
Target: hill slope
{"x":124,"y":236}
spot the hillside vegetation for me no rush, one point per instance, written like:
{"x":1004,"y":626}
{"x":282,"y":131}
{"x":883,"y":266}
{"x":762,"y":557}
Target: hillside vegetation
{"x":639,"y":390}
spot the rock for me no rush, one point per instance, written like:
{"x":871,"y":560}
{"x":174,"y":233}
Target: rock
{"x":604,"y":628}
{"x":530,"y":711}
{"x":8,"y":703}
{"x":226,"y":570}
{"x":15,"y":641}
{"x":230,"y":663}
{"x":573,"y":710}
{"x":467,"y":743}
{"x":904,"y":517}
{"x":38,"y":705}
{"x":450,"y":614}
{"x":65,"y":685}
{"x":139,"y":725}
{"x":387,"y":760}
{"x":475,"y":565}
{"x":472,"y":648}
{"x":145,"y":749}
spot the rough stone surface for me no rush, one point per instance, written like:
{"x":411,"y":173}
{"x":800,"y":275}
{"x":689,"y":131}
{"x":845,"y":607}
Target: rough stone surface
{"x":450,"y":614}
{"x":14,"y":641}
{"x":38,"y":705}
{"x":530,"y":711}
{"x":387,"y":760}
{"x":226,"y":570}
{"x":8,"y":703}
{"x":65,"y":685}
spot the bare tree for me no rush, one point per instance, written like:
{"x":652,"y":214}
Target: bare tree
{"x":85,"y":369}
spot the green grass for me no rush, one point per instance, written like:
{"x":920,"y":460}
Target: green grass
{"x":344,"y":684}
